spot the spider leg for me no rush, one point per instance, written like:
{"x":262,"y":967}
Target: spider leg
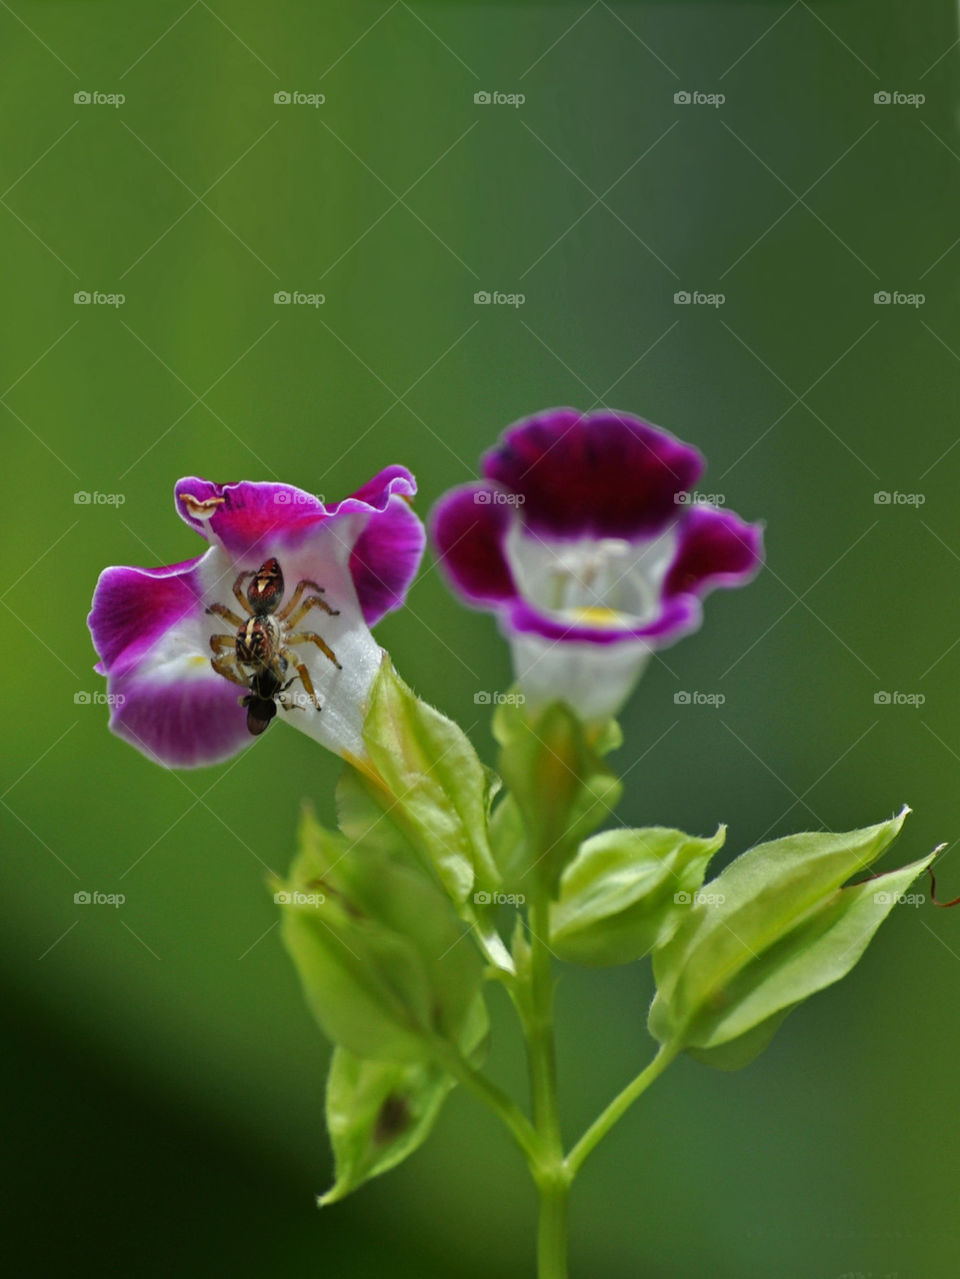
{"x":307,"y":683}
{"x":227,"y":666}
{"x":305,"y":607}
{"x":238,"y":593}
{"x":220,"y":642}
{"x":294,"y":599}
{"x":311,"y":637}
{"x":227,"y":614}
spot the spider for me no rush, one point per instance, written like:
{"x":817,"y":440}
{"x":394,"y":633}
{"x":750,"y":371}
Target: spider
{"x":260,"y":647}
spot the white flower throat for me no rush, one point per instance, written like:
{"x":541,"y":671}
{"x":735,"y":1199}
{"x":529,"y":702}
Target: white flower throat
{"x":605,"y":581}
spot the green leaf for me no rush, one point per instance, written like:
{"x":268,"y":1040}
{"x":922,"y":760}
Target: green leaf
{"x":439,"y":788}
{"x":626,"y":892}
{"x":771,"y":930}
{"x":369,"y":817}
{"x":554,"y":769}
{"x":381,"y":954}
{"x":508,"y":839}
{"x":817,"y":954}
{"x":380,"y":1112}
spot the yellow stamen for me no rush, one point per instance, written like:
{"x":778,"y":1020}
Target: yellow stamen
{"x":595,"y":616}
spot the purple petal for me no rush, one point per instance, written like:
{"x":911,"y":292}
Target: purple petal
{"x":678,"y":617}
{"x":469,"y":533}
{"x":388,"y":552}
{"x":607,"y":474}
{"x":716,"y":548}
{"x":132,"y":607}
{"x":182,"y":723}
{"x":253,"y":520}
{"x":247,"y":518}
{"x":392,"y":480}
{"x":385,"y":559}
{"x":166,"y":699}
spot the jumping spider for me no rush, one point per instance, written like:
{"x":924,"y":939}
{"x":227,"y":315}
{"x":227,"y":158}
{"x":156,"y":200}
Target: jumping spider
{"x":260,"y":648}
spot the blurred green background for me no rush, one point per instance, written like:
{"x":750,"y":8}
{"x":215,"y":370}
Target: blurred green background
{"x":163,"y":1080}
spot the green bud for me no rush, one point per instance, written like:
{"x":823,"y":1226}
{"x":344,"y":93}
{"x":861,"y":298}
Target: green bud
{"x":553,"y":766}
{"x":626,"y":892}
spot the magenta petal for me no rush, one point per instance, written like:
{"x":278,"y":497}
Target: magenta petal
{"x":604,"y":474}
{"x":248,"y":518}
{"x":392,"y":481}
{"x":716,"y":548}
{"x":182,"y":723}
{"x":387,"y":554}
{"x":165,"y":700}
{"x":132,"y":607}
{"x":468,"y":527}
{"x":253,"y":520}
{"x":385,"y":559}
{"x":676,"y":618}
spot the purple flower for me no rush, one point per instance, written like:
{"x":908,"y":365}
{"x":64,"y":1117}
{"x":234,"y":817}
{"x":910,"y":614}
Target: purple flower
{"x":585,"y":541}
{"x":280,"y":564}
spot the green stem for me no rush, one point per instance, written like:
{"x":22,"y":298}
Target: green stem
{"x":554,"y":1193}
{"x":543,"y":1064}
{"x":618,"y":1107}
{"x":485,"y":1090}
{"x":550,"y":1170}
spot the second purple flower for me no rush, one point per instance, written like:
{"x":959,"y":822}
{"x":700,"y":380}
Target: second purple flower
{"x":585,"y":541}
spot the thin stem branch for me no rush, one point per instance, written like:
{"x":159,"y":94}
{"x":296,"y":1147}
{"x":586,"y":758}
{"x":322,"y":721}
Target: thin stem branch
{"x":495,"y":1098}
{"x":618,"y":1107}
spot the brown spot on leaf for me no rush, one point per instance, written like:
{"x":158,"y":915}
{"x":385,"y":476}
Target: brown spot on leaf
{"x":394,"y":1118}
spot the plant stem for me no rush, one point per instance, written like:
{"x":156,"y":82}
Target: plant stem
{"x":554,"y":1194}
{"x":618,"y":1107}
{"x":485,"y":1090}
{"x":550,"y":1171}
